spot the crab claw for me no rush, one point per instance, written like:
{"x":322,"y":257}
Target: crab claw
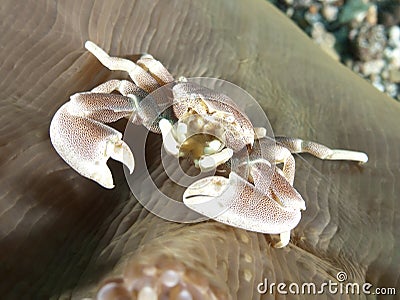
{"x":236,"y":202}
{"x":86,"y":145}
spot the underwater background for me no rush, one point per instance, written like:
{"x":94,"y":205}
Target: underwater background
{"x":363,"y":34}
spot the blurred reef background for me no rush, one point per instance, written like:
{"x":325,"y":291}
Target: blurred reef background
{"x":363,"y":34}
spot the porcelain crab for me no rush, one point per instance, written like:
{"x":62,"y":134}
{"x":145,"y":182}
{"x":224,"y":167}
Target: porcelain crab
{"x":207,"y":126}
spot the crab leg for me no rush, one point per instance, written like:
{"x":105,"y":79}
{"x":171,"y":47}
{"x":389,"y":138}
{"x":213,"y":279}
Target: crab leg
{"x":279,"y":188}
{"x":79,"y":136}
{"x":284,"y":239}
{"x":102,"y":107}
{"x":298,"y":146}
{"x":139,"y":76}
{"x":125,"y":87}
{"x":156,"y":69}
{"x":276,"y":153}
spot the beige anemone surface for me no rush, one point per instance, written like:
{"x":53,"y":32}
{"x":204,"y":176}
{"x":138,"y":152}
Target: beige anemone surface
{"x":61,"y":235}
